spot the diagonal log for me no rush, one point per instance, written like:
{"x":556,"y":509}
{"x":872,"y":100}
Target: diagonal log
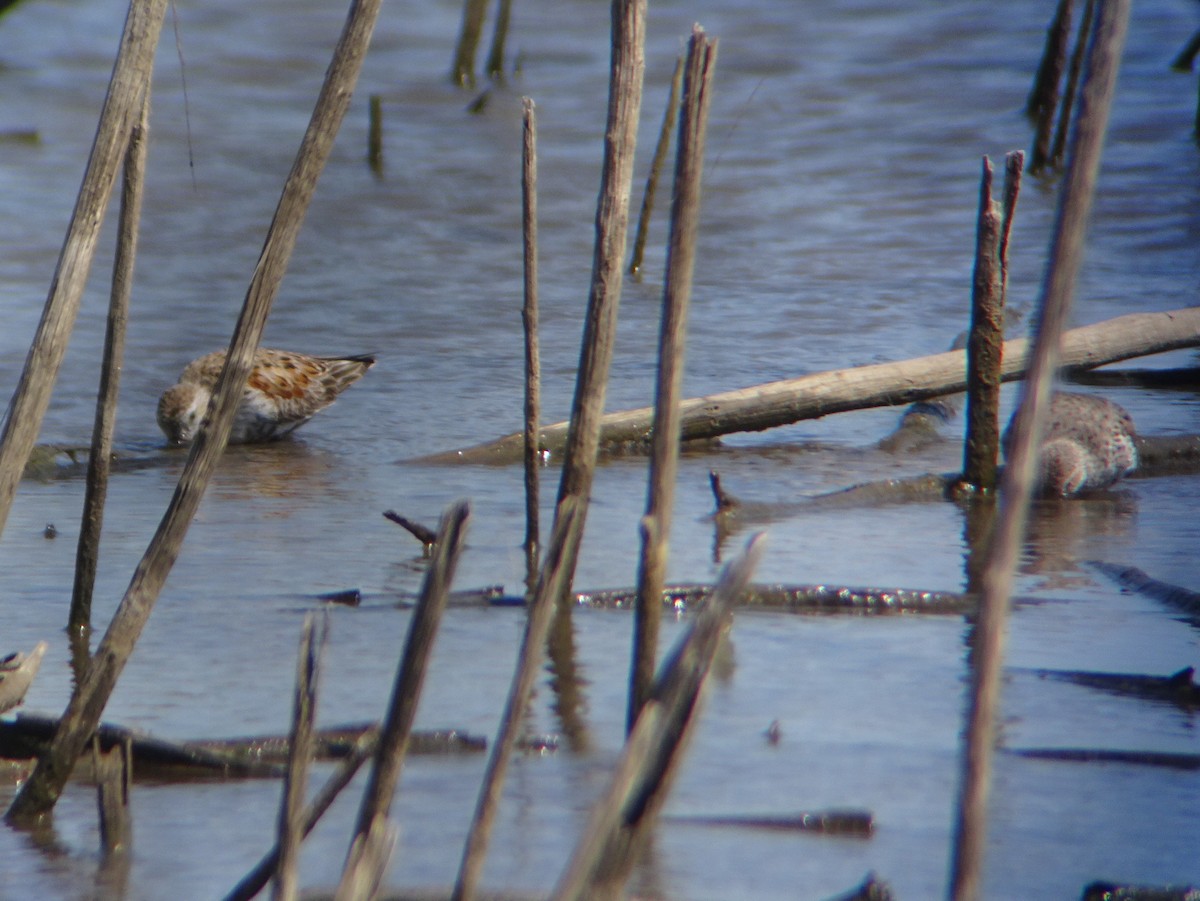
{"x":774,"y":404}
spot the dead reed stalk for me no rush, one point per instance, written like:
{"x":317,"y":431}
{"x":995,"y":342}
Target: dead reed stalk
{"x":612,"y":219}
{"x":1068,"y":100}
{"x":1066,"y":253}
{"x":300,"y":751}
{"x":533,"y":359}
{"x":39,"y":794}
{"x":463,"y":71}
{"x":127,"y":89}
{"x":664,"y":448}
{"x":366,"y":859}
{"x":656,"y":167}
{"x":87,"y":552}
{"x":495,"y":61}
{"x":1043,"y":98}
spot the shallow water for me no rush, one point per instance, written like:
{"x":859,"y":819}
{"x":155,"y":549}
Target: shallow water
{"x":838,"y":208}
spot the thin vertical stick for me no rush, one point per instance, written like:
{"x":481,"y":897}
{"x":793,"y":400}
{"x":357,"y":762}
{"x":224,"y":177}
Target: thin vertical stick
{"x":1068,"y":101}
{"x":463,"y":71}
{"x":664,"y":450}
{"x":612,"y":219}
{"x":984,"y":345}
{"x":495,"y":60}
{"x":541,"y":613}
{"x":1044,"y":100}
{"x":41,"y":790}
{"x":533,"y":363}
{"x":1014,"y":163}
{"x":621,"y":820}
{"x":1101,"y":66}
{"x":660,"y":159}
{"x":375,"y":133}
{"x":122,"y":105}
{"x":87,"y":552}
{"x":300,"y":749}
{"x":113,"y":776}
{"x":406,"y":692}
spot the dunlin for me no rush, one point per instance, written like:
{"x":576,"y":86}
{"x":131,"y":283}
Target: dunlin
{"x":283,"y":392}
{"x":1089,"y":444}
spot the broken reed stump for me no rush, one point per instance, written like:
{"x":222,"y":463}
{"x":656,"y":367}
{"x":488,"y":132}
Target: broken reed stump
{"x":677,"y":290}
{"x":114,"y":774}
{"x":313,"y":635}
{"x":1066,"y":254}
{"x":877,"y":385}
{"x":981,"y":451}
{"x":422,"y":533}
{"x":462,"y":73}
{"x":127,"y":89}
{"x":87,"y":551}
{"x":626,"y":69}
{"x":656,"y":166}
{"x":366,"y":857}
{"x":39,"y":794}
{"x":533,"y":357}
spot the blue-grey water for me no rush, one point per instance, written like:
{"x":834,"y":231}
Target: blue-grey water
{"x":837,"y":229}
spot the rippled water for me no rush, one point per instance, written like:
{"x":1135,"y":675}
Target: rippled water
{"x":839,"y":198}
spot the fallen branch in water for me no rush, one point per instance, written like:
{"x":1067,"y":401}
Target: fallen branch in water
{"x":1133,"y":579}
{"x":775,"y":404}
{"x":857,"y":823}
{"x":1167,"y":760}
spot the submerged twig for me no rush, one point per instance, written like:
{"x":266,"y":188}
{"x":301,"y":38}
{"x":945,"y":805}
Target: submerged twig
{"x":422,"y":533}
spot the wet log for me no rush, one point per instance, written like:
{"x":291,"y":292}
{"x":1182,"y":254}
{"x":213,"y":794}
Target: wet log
{"x":24,"y":739}
{"x":1186,"y":378}
{"x":780,"y":403}
{"x":1112,"y":891}
{"x":856,"y":823}
{"x":797,"y":599}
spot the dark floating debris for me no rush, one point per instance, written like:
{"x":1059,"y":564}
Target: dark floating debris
{"x":50,"y":532}
{"x":1178,"y":688}
{"x":1133,"y":579}
{"x":1112,"y":891}
{"x":871,"y":889}
{"x":1161,"y":759}
{"x":349,"y":597}
{"x":423,"y":534}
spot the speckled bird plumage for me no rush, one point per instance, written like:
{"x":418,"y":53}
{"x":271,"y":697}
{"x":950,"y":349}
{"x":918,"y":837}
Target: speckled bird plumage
{"x":283,"y":392}
{"x":1089,"y":444}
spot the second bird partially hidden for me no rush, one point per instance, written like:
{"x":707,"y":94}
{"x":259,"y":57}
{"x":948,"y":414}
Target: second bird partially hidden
{"x":283,"y":392}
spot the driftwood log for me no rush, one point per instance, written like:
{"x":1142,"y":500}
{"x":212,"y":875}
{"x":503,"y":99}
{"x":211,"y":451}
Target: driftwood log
{"x":880,"y":385}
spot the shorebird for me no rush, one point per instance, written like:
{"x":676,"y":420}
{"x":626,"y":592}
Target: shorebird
{"x":283,"y":392}
{"x":1089,"y":444}
{"x":16,"y":675}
